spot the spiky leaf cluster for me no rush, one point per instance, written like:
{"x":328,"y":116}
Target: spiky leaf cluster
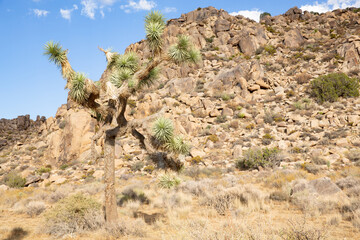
{"x":183,"y":51}
{"x":154,"y":28}
{"x":120,"y":76}
{"x":55,"y":53}
{"x":155,"y":16}
{"x":77,"y":88}
{"x":150,"y":78}
{"x":125,"y":66}
{"x":163,"y":130}
{"x":178,"y":145}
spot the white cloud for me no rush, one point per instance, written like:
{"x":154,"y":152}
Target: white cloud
{"x":252,"y":14}
{"x":91,"y":6}
{"x":169,"y":9}
{"x":66,"y":13}
{"x":40,"y":13}
{"x":138,"y":6}
{"x":330,"y":5}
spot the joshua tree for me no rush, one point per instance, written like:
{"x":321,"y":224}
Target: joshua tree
{"x":123,"y":77}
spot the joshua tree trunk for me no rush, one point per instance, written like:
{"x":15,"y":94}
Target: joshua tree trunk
{"x":110,"y":197}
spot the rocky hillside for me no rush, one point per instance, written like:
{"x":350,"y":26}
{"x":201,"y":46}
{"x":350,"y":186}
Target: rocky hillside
{"x":250,"y":90}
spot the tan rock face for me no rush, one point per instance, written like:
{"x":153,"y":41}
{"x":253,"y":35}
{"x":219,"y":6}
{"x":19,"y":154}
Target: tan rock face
{"x":293,"y":39}
{"x":74,"y":139}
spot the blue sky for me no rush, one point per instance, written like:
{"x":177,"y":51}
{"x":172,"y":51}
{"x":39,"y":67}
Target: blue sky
{"x":32,"y":85}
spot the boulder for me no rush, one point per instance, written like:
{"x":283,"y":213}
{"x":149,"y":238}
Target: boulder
{"x":322,"y":186}
{"x":23,"y":122}
{"x":293,"y":39}
{"x":222,"y":25}
{"x":293,"y":13}
{"x":74,"y":139}
{"x":247,"y":45}
{"x":350,"y":53}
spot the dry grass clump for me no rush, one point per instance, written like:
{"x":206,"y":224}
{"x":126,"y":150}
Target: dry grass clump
{"x":302,"y":78}
{"x":353,"y":155}
{"x":73,"y":214}
{"x":302,"y":230}
{"x":281,"y":178}
{"x":35,"y":208}
{"x":60,"y":193}
{"x":200,"y":187}
{"x":232,"y":199}
{"x":171,"y":200}
{"x":127,"y":227}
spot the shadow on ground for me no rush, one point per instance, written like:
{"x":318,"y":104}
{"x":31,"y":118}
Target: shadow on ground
{"x":16,"y":234}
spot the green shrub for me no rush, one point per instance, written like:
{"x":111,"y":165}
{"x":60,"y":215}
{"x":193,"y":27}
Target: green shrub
{"x":213,"y":138}
{"x":64,"y":166}
{"x":264,"y":14}
{"x":332,"y":86}
{"x":221,"y":119}
{"x":73,"y":214}
{"x":270,"y":49}
{"x":256,"y":157}
{"x":43,"y":170}
{"x":168,"y":181}
{"x":241,"y":115}
{"x":14,"y":180}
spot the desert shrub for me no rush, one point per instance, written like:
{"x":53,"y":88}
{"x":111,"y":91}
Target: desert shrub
{"x":213,"y":138}
{"x":228,"y":199}
{"x":302,"y":231}
{"x":256,"y":157}
{"x":196,"y":160}
{"x":279,"y":196}
{"x":64,"y":166}
{"x":14,"y":180}
{"x":75,"y":213}
{"x":334,"y":85}
{"x":270,"y":49}
{"x":149,"y":168}
{"x":168,"y":181}
{"x":264,"y":14}
{"x":132,"y":194}
{"x":43,"y":170}
{"x":221,"y":119}
{"x":35,"y":208}
{"x":127,"y":227}
{"x":353,"y":155}
{"x":271,"y":117}
{"x":302,"y":78}
{"x":60,"y":193}
{"x":137,"y":166}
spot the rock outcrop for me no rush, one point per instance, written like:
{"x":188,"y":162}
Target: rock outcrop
{"x":250,"y":90}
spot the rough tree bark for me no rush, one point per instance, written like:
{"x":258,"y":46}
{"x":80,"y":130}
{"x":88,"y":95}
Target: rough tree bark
{"x":111,"y":214}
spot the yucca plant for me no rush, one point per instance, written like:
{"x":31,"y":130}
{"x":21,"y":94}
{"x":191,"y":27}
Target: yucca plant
{"x":163,"y":130}
{"x":178,"y":145}
{"x":168,"y":181}
{"x":125,"y":76}
{"x":77,"y":88}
